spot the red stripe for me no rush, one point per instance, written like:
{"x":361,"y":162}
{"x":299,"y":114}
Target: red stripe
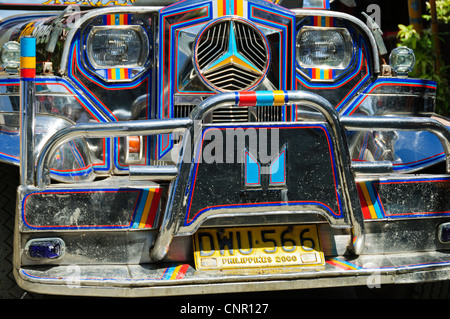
{"x":247,"y":98}
{"x":28,"y":73}
{"x":153,"y":208}
{"x":182,"y":271}
{"x":224,"y":7}
{"x":365,"y":209}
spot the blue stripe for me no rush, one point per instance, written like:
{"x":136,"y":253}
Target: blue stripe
{"x":140,"y":210}
{"x":27,"y":47}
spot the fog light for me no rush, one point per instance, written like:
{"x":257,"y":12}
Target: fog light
{"x":444,"y":233}
{"x":10,"y":56}
{"x":134,"y":150}
{"x":45,"y":248}
{"x":402,"y":60}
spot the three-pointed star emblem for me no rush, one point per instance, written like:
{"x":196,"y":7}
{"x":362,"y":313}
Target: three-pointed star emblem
{"x":232,"y":57}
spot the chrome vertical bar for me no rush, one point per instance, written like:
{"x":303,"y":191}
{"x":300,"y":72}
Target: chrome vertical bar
{"x":27,"y":109}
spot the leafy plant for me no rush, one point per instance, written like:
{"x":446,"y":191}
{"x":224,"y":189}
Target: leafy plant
{"x":426,"y":59}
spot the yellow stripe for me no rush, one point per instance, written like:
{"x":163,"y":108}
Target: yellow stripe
{"x":121,"y":19}
{"x":240,"y":8}
{"x":122,"y":74}
{"x":278,"y":98}
{"x":235,"y":60}
{"x":148,"y":204}
{"x":372,"y":211}
{"x":175,"y":272}
{"x":28,"y":62}
{"x":219,"y":8}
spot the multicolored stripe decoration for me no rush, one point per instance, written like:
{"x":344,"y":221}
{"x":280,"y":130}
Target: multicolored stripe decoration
{"x":175,"y":272}
{"x":321,"y":74}
{"x":117,"y":20}
{"x":27,"y":58}
{"x":147,"y":208}
{"x":371,"y":205}
{"x":261,"y":98}
{"x":343,"y":264}
{"x":227,"y":7}
{"x":118,"y":74}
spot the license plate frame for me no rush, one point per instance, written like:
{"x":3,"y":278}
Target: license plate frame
{"x":271,"y":247}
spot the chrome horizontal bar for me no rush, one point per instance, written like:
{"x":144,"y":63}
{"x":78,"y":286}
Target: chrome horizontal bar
{"x":102,"y":130}
{"x":372,"y":167}
{"x":390,"y":123}
{"x":153,"y":173}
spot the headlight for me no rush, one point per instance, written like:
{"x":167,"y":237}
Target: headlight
{"x":324,"y":48}
{"x":402,"y":60}
{"x":117,"y":47}
{"x":10,"y":56}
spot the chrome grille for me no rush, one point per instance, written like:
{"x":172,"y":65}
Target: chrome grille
{"x":182,"y":110}
{"x":231,"y":55}
{"x":269,"y":113}
{"x":230,"y":114}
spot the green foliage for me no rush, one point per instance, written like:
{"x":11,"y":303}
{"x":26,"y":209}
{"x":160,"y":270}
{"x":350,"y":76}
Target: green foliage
{"x":442,"y":11}
{"x":426,"y":59}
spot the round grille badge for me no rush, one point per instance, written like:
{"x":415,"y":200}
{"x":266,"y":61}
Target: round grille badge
{"x":231,"y":55}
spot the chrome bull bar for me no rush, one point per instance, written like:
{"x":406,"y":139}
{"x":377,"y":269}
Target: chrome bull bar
{"x":178,"y":176}
{"x":172,"y":223}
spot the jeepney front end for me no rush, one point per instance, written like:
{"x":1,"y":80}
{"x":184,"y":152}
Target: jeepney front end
{"x":219,"y":146}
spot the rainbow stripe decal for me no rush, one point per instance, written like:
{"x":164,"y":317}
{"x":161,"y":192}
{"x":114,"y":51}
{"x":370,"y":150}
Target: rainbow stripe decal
{"x":370,"y":201}
{"x":261,"y":98}
{"x":175,"y":272}
{"x":117,"y":19}
{"x":118,"y":74}
{"x":226,"y":7}
{"x":343,"y":264}
{"x":321,"y":74}
{"x":147,"y":209}
{"x":28,"y":58}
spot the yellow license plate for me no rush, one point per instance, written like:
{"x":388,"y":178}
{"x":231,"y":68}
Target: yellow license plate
{"x":257,"y":247}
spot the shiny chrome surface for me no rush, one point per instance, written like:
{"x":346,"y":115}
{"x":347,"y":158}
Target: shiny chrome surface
{"x":135,"y":262}
{"x":172,"y":220}
{"x":143,"y":281}
{"x":231,"y":55}
{"x":27,"y":130}
{"x":98,"y":130}
{"x":87,"y":17}
{"x":389,"y":123}
{"x":353,"y":19}
{"x":153,"y":173}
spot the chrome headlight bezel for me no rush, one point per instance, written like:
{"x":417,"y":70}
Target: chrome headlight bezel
{"x":139,"y":31}
{"x":320,"y":33}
